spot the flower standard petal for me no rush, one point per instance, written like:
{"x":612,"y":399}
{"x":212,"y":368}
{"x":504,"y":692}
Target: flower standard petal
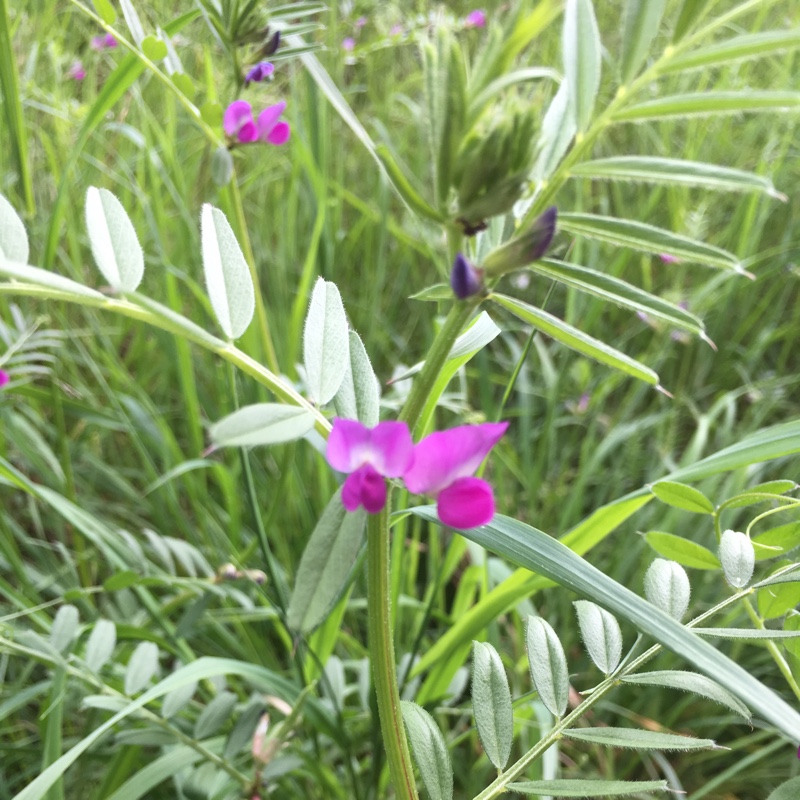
{"x":237,"y":114}
{"x":259,"y":73}
{"x":392,"y":448}
{"x":280,"y":133}
{"x":466,"y":503}
{"x":268,"y":118}
{"x":445,"y":456}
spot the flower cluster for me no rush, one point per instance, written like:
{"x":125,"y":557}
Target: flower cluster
{"x":442,"y":466}
{"x":104,"y":42}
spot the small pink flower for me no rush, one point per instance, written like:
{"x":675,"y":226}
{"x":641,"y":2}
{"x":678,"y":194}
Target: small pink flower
{"x":368,"y":455}
{"x":348,"y":44}
{"x":238,"y":122}
{"x":443,"y":466}
{"x":396,"y":30}
{"x":104,"y":42}
{"x":76,"y":71}
{"x":668,"y":259}
{"x":4,"y":378}
{"x":475,"y":19}
{"x":361,"y":22}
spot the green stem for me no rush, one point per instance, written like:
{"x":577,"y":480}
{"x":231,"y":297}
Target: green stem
{"x":773,"y":648}
{"x":453,"y":325}
{"x":381,"y":648}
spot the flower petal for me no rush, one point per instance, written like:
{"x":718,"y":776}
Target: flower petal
{"x":365,"y":487}
{"x":248,"y":132}
{"x":347,"y":442}
{"x":280,"y":133}
{"x":392,"y":448}
{"x":236,"y":115}
{"x":467,"y":503}
{"x":268,"y":118}
{"x":445,"y":456}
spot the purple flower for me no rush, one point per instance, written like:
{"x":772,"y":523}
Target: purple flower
{"x":349,"y":44}
{"x":369,"y":455}
{"x":443,"y":466}
{"x":76,"y":71}
{"x":396,"y":30}
{"x":361,"y":22}
{"x":465,"y":278}
{"x":238,"y":122}
{"x":4,"y":378}
{"x":475,"y":19}
{"x":259,"y":73}
{"x":668,"y":259}
{"x":104,"y":42}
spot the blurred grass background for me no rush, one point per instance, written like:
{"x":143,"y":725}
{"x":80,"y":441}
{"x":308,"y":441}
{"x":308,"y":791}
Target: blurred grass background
{"x":123,"y":406}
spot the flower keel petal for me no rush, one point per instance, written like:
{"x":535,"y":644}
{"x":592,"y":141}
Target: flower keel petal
{"x":364,"y":487}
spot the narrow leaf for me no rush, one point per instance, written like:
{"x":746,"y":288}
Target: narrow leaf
{"x":326,"y":342}
{"x":101,"y":644}
{"x":745,"y":633}
{"x":65,"y":628}
{"x":326,"y":564}
{"x":691,"y":12}
{"x":430,"y":751}
{"x":62,"y":287}
{"x":134,"y":23}
{"x":540,"y":553}
{"x":13,"y":236}
{"x":690,"y":682}
{"x":777,"y":541}
{"x":640,"y":236}
{"x":705,"y":104}
{"x":684,"y":551}
{"x":359,"y":395}
{"x":558,"y":130}
{"x":587,"y":788}
{"x":580,"y":49}
{"x":638,"y":739}
{"x":178,"y":699}
{"x":230,"y":287}
{"x":142,"y":667}
{"x":601,"y":635}
{"x":576,"y":339}
{"x":671,"y":171}
{"x":548,"y":665}
{"x":601,"y":284}
{"x":491,"y":703}
{"x":739,"y":48}
{"x":262,"y":423}
{"x":640,"y":26}
{"x":679,"y":495}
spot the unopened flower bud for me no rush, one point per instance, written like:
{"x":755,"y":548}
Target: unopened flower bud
{"x":228,"y":572}
{"x":262,"y":748}
{"x":466,"y":279}
{"x":257,"y":576}
{"x":525,"y":248}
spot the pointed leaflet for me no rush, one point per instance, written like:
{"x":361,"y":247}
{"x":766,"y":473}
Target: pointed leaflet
{"x":640,"y":26}
{"x":690,"y":682}
{"x":142,"y":666}
{"x":540,"y":553}
{"x":101,"y":644}
{"x":684,"y":551}
{"x":214,"y":715}
{"x":601,"y":635}
{"x":65,"y":628}
{"x":639,"y":739}
{"x":115,"y":246}
{"x":359,"y":395}
{"x":548,"y":665}
{"x":491,"y":703}
{"x":326,"y":344}
{"x":558,"y":128}
{"x":587,"y":788}
{"x":580,"y":49}
{"x":326,"y":564}
{"x":430,"y":751}
{"x":679,"y":495}
{"x":230,"y":287}
{"x":705,"y":104}
{"x":749,"y":45}
{"x":262,"y":423}
{"x":13,"y":237}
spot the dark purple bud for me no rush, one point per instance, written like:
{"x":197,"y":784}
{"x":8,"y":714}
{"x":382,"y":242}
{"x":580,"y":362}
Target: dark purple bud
{"x":525,"y":248}
{"x":273,"y":44}
{"x":466,"y":279}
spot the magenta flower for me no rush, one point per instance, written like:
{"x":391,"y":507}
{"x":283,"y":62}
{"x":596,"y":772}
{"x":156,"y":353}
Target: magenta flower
{"x":361,"y":22}
{"x":348,"y":44}
{"x":76,"y":71}
{"x":668,"y":259}
{"x":4,"y":378}
{"x":475,"y":19}
{"x":369,"y":455}
{"x":259,"y":73}
{"x":104,"y":42}
{"x":443,"y":466}
{"x":238,"y":123}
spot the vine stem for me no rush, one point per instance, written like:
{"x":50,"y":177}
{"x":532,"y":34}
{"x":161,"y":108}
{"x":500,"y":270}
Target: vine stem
{"x":381,"y":648}
{"x":500,"y":785}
